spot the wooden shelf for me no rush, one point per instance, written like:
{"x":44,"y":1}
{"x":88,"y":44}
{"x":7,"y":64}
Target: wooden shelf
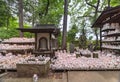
{"x":110,"y":41}
{"x":18,"y":42}
{"x":110,"y":48}
{"x":16,"y":49}
{"x":110,"y":35}
{"x":109,"y":15}
{"x":108,"y":29}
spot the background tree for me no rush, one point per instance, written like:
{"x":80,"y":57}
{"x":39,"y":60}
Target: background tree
{"x":5,"y":14}
{"x":86,"y":12}
{"x":96,"y":9}
{"x":20,"y":8}
{"x":30,"y":8}
{"x":64,"y":34}
{"x":83,"y":36}
{"x":54,"y":13}
{"x":82,"y":14}
{"x":72,"y":33}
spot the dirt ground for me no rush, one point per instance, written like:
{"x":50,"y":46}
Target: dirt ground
{"x":70,"y":76}
{"x":94,"y":76}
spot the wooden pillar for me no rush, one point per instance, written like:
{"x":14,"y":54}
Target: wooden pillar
{"x":101,"y":38}
{"x":36,"y":41}
{"x":51,"y":54}
{"x":50,"y":41}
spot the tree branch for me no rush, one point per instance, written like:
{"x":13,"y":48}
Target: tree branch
{"x":48,"y":3}
{"x":89,"y":4}
{"x":99,"y":11}
{"x":96,"y":10}
{"x":83,"y":16}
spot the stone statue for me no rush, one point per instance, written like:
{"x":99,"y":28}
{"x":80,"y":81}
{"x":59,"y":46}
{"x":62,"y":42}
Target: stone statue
{"x":71,"y":47}
{"x":90,"y":47}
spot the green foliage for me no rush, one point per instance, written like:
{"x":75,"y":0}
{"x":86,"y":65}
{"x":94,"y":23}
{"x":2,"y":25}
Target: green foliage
{"x":5,"y":13}
{"x":60,"y":39}
{"x":90,"y":38}
{"x":44,"y":12}
{"x":54,"y":13}
{"x":8,"y":33}
{"x":84,"y":15}
{"x":115,"y":2}
{"x":35,"y":11}
{"x":94,"y":42}
{"x":93,"y":1}
{"x":13,"y":23}
{"x":82,"y":42}
{"x":76,"y":43}
{"x":72,"y":33}
{"x":11,"y":30}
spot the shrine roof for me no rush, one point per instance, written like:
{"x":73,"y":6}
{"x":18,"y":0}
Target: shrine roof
{"x":41,"y":28}
{"x":109,"y":15}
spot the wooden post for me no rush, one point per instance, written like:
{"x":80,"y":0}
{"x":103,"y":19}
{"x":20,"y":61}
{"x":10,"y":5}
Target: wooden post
{"x":50,"y":41}
{"x":35,"y":41}
{"x":101,"y":38}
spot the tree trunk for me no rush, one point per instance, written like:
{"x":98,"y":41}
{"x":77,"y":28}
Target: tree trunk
{"x":33,"y":19}
{"x":109,"y":3}
{"x":96,"y":34}
{"x":96,"y":42}
{"x":64,"y":34}
{"x":95,"y":17}
{"x":20,"y":4}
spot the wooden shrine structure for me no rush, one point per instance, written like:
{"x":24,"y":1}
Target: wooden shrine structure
{"x":45,"y":38}
{"x":110,"y":16}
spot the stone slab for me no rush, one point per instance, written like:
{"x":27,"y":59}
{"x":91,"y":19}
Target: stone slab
{"x":28,"y":70}
{"x":94,"y":76}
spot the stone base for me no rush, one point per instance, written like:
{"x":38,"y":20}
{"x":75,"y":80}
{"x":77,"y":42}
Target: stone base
{"x":95,"y":55}
{"x":28,"y":70}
